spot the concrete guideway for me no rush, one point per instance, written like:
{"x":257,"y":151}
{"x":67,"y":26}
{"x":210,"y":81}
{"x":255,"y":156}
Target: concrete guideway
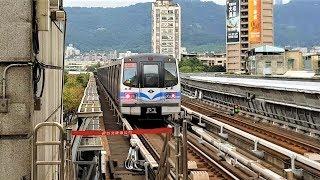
{"x":230,"y":150}
{"x":291,"y":154}
{"x":134,"y":138}
{"x":263,"y":98}
{"x":285,"y":85}
{"x":89,"y":111}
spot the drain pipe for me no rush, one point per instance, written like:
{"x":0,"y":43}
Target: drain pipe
{"x":4,"y":75}
{"x":231,"y":150}
{"x":4,"y":101}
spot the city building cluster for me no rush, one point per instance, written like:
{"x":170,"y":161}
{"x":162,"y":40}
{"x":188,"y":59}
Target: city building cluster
{"x":80,"y":62}
{"x":250,"y":46}
{"x":271,"y":60}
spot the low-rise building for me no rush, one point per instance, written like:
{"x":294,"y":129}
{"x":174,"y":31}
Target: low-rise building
{"x":312,"y":62}
{"x":301,"y":49}
{"x":80,"y":66}
{"x":213,"y":59}
{"x":71,"y":51}
{"x":315,"y":49}
{"x":189,"y":55}
{"x":294,"y":60}
{"x":267,"y":60}
{"x":270,"y":60}
{"x":128,"y":53}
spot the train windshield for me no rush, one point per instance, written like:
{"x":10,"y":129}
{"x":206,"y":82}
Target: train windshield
{"x":151,"y":76}
{"x":130,"y":77}
{"x":170,"y":74}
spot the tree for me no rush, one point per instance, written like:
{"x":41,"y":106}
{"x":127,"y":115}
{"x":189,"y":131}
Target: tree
{"x":94,"y":67}
{"x":194,"y":65}
{"x":74,"y":86}
{"x":191,"y":65}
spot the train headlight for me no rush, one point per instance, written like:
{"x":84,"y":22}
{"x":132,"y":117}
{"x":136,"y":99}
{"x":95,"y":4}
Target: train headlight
{"x":171,"y":95}
{"x":130,"y":96}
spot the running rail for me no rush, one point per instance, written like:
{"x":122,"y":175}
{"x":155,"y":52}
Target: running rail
{"x":256,"y":166}
{"x":144,"y":152}
{"x":277,"y":148}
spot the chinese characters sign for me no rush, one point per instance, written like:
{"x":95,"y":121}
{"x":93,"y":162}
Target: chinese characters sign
{"x":233,"y":21}
{"x":93,"y":133}
{"x":255,"y":21}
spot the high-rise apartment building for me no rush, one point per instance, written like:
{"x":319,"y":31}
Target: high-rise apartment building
{"x":166,"y":28}
{"x":249,"y":24}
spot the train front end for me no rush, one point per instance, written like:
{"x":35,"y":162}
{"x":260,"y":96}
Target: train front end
{"x":150,"y":87}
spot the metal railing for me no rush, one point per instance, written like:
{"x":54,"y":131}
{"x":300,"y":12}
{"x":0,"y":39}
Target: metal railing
{"x":36,"y":143}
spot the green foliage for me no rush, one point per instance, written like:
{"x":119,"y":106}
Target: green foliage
{"x":186,"y":69}
{"x":74,"y":86}
{"x":193,"y":65}
{"x":83,"y":79}
{"x":93,"y":68}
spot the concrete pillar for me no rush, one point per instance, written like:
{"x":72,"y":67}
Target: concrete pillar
{"x":16,"y":125}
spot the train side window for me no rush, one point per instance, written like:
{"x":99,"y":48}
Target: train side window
{"x":130,"y":77}
{"x":170,"y":74}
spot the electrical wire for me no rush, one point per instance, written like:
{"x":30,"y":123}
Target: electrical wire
{"x":63,"y":59}
{"x":38,"y":73}
{"x":57,"y":26}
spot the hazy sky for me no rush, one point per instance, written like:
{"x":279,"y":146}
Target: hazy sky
{"x":117,"y":3}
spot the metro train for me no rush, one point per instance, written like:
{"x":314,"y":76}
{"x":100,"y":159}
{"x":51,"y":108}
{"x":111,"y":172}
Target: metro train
{"x":146,"y":86}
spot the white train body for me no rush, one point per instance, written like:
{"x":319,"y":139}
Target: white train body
{"x":145,"y":85}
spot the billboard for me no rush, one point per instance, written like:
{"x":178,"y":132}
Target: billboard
{"x":233,"y":21}
{"x":255,"y":21}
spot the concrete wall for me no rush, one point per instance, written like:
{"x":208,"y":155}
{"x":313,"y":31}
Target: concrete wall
{"x":277,"y":64}
{"x":267,"y":22}
{"x":315,"y":63}
{"x":296,"y":56}
{"x":16,"y":125}
{"x":233,"y":58}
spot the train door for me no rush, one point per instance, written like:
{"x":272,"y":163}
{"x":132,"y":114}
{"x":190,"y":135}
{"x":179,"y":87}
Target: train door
{"x":151,"y":85}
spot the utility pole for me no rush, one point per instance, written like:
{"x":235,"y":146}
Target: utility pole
{"x":177,"y":149}
{"x":184,"y":149}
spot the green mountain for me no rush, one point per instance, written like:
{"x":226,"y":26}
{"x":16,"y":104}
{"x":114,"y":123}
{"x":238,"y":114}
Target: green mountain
{"x":203,"y":26}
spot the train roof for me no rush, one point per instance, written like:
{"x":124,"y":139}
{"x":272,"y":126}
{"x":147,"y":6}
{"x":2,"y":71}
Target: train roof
{"x":139,"y":57}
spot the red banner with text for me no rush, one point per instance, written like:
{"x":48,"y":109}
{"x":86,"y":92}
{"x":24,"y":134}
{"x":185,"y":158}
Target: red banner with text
{"x":91,"y":133}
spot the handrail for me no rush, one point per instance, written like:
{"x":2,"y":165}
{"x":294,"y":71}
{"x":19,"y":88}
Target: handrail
{"x":60,"y":143}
